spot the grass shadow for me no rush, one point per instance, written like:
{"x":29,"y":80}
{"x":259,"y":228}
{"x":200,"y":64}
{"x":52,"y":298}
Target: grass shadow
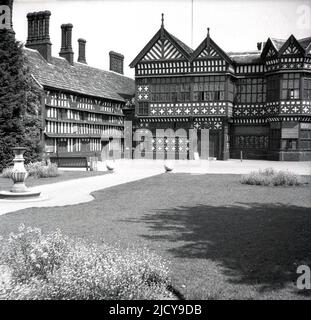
{"x":256,"y":244}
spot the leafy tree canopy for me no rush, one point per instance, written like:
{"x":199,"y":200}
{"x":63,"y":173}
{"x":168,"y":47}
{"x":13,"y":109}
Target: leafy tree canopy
{"x":20,"y":111}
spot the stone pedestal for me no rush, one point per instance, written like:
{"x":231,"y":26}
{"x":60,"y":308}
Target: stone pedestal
{"x":19,"y":175}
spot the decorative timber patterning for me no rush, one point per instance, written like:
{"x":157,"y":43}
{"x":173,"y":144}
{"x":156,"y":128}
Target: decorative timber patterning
{"x":188,"y":109}
{"x":162,"y":50}
{"x":271,"y":53}
{"x":208,"y":123}
{"x":142,"y":93}
{"x":286,"y":63}
{"x":211,"y":53}
{"x":167,"y":144}
{"x":296,"y":107}
{"x":292,"y":49}
{"x":272,"y":109}
{"x":215,"y":65}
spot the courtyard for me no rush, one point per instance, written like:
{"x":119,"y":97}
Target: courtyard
{"x":224,"y":240}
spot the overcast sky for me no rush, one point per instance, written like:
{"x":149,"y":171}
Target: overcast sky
{"x":127,"y":26}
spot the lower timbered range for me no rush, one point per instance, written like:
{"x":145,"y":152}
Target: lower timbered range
{"x":255,"y":104}
{"x":81,"y":106}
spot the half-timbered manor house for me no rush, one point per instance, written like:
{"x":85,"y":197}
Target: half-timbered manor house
{"x":82,"y":105}
{"x":255,"y":103}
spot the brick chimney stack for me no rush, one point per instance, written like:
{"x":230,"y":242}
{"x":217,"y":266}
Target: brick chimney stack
{"x":116,"y":62}
{"x":6,"y":10}
{"x":39,"y":33}
{"x":66,"y":48}
{"x":81,"y":57}
{"x":259,"y":46}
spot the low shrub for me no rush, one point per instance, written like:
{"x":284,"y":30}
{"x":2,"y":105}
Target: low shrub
{"x":270,"y":177}
{"x":36,"y":169}
{"x":7,"y":172}
{"x":40,"y":170}
{"x":54,"y":266}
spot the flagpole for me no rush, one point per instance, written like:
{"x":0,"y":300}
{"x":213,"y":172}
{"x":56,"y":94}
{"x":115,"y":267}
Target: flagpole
{"x":191,"y":23}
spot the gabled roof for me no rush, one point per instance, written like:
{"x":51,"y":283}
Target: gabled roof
{"x":281,"y":45}
{"x":293,"y":45}
{"x":274,"y":44}
{"x":163,"y":33}
{"x":187,"y":49}
{"x":78,"y":78}
{"x":208,"y":44}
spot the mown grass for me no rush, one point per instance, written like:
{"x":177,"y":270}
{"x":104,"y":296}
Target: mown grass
{"x":224,"y":239}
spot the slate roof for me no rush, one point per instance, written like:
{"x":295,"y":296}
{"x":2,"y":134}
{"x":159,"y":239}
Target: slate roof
{"x":305,"y":42}
{"x":182,"y":44}
{"x":278,"y":43}
{"x":245,"y":57}
{"x":79,"y":78}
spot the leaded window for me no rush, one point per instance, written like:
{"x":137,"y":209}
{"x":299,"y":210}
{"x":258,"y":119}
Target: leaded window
{"x":251,"y":90}
{"x":290,"y":86}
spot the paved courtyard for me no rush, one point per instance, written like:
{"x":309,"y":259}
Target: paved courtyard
{"x":79,"y":190}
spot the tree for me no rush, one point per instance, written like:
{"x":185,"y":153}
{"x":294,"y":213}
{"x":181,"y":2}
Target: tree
{"x":20,"y":107}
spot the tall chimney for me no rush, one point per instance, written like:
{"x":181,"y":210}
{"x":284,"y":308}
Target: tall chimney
{"x":116,"y":62}
{"x":259,"y":46}
{"x":39,"y":33}
{"x":66,"y":48}
{"x":6,"y":10}
{"x":81,"y":57}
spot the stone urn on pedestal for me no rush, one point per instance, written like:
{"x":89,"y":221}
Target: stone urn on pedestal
{"x":19,"y":175}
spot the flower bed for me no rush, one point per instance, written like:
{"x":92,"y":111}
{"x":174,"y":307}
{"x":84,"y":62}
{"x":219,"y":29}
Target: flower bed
{"x":270,"y":177}
{"x":54,"y":266}
{"x":36,"y":170}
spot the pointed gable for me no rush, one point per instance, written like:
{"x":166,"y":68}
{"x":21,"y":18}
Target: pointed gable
{"x":291,"y":47}
{"x":306,"y":45}
{"x":209,"y":53}
{"x":209,"y":49}
{"x":270,"y":49}
{"x":163,"y":46}
{"x":163,"y":50}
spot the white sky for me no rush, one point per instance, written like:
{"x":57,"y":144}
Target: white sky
{"x":127,"y":26}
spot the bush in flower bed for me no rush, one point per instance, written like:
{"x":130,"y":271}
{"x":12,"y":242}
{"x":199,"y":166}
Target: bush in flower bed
{"x":7,"y":172}
{"x":54,"y":266}
{"x":36,"y":169}
{"x":40,"y":170}
{"x":270,"y":177}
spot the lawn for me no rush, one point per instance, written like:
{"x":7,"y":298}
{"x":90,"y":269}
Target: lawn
{"x":224,"y":240}
{"x":5,"y":183}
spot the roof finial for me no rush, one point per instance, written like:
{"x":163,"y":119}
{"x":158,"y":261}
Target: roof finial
{"x":162,"y":21}
{"x":208,"y":41}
